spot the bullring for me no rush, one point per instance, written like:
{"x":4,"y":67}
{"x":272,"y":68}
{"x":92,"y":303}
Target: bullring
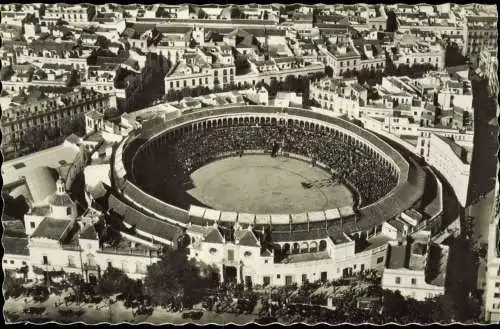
{"x":312,"y":231}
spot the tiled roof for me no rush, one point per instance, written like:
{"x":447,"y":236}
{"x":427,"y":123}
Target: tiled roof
{"x":89,"y":233}
{"x":142,"y":222}
{"x":246,"y":238}
{"x":15,"y":246}
{"x":51,"y":228}
{"x":213,"y":236}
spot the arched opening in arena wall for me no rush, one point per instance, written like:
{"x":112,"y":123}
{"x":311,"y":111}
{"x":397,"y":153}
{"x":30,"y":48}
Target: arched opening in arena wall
{"x":313,"y":247}
{"x":304,"y":247}
{"x":322,"y":245}
{"x":230,"y":273}
{"x":286,"y":249}
{"x":296,"y":248}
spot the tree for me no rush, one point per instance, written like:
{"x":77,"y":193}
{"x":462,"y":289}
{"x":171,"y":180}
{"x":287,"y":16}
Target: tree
{"x":236,"y":13}
{"x":392,"y":22}
{"x":202,"y":14}
{"x":329,"y":71}
{"x":394,"y":305}
{"x":453,"y":56}
{"x":113,"y":281}
{"x":12,"y":287}
{"x":78,"y":124}
{"x":173,"y":278}
{"x":290,"y":82}
{"x":33,"y":138}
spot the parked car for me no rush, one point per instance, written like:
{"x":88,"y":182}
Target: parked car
{"x":96,"y":299}
{"x":143,"y":310}
{"x":196,"y":315}
{"x":266,"y":320}
{"x":67,"y":312}
{"x":34,"y":310}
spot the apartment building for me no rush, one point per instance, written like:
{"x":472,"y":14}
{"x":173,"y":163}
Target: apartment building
{"x":208,"y":66}
{"x":46,"y":112}
{"x":480,"y":32}
{"x":73,"y":14}
{"x":339,"y":97}
{"x":420,"y":53}
{"x":343,"y":58}
{"x":492,"y":289}
{"x":453,"y":162}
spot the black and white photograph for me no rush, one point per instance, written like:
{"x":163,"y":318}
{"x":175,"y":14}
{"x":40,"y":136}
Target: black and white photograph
{"x":180,"y":163}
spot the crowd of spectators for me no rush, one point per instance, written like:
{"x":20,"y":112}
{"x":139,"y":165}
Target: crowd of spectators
{"x":348,"y":163}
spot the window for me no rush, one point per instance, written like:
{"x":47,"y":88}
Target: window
{"x":413,"y":281}
{"x":266,"y":261}
{"x":193,"y":82}
{"x":288,"y":280}
{"x":32,"y":224}
{"x":266,"y":280}
{"x":68,"y":211}
{"x":304,"y":278}
{"x":171,"y":84}
{"x":497,"y":284}
{"x":398,"y":280}
{"x":5,"y":261}
{"x":24,"y":263}
{"x":496,"y":295}
{"x":45,"y":260}
{"x":380,"y":260}
{"x":278,"y":276}
{"x":12,"y":262}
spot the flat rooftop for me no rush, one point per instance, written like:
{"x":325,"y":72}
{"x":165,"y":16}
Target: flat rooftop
{"x":52,"y":157}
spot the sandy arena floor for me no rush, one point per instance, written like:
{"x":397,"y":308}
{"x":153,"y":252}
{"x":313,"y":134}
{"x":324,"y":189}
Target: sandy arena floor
{"x":261,"y":184}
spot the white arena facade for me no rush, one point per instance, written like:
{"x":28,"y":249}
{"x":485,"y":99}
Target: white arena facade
{"x":272,"y":248}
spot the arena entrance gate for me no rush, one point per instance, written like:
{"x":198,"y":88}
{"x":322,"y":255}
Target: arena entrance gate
{"x":230,"y":273}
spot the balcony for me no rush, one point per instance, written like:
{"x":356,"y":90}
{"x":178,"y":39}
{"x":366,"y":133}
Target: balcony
{"x":90,"y":267}
{"x":232,"y":262}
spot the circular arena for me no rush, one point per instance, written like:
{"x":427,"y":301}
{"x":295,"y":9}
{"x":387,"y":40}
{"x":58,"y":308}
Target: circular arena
{"x":202,"y":168}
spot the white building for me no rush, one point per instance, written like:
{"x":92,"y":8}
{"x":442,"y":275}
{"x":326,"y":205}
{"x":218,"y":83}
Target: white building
{"x":417,"y":268}
{"x":492,"y":289}
{"x":453,"y":162}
